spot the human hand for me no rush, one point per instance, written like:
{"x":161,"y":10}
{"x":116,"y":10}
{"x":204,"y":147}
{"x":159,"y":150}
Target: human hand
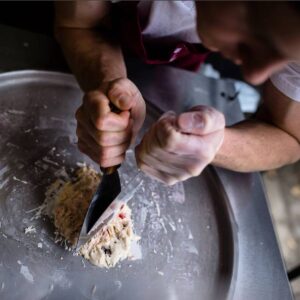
{"x":179,"y":147}
{"x":102,"y":134}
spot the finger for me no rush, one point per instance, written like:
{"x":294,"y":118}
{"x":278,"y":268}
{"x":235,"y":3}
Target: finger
{"x":106,"y":157}
{"x":180,"y":165}
{"x":97,"y":110}
{"x":96,"y":105}
{"x":187,"y":144}
{"x":155,"y":174}
{"x":166,"y":133}
{"x":105,"y":163}
{"x":201,"y":120}
{"x":168,"y":114}
{"x":123,"y":93}
{"x":103,"y":152}
{"x":162,"y":166}
{"x":126,"y":96}
{"x":105,"y":138}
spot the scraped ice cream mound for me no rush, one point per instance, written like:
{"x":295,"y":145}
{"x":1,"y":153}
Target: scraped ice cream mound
{"x":70,"y":200}
{"x":112,"y":243}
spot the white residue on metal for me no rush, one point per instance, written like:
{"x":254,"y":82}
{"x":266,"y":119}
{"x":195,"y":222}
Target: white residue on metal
{"x":27,"y":130}
{"x":160,"y":273}
{"x":82,"y":261}
{"x":57,"y":119}
{"x":191,"y":248}
{"x":3,"y":183}
{"x":30,"y":229}
{"x":61,"y":173}
{"x":80,"y":164}
{"x":161,"y":221}
{"x":16,"y":112}
{"x":49,"y":161}
{"x":32,"y":210}
{"x":2,"y":286}
{"x":94,"y":290}
{"x":52,"y":150}
{"x":8,"y":144}
{"x":118,"y":284}
{"x":157,"y":208}
{"x":4,"y":235}
{"x":176,"y":193}
{"x":26,"y":273}
{"x":136,"y":251}
{"x":60,"y":277}
{"x":143,"y":215}
{"x":40,"y":245}
{"x":19,"y":180}
{"x":170,"y":222}
{"x":190,"y":236}
{"x":4,"y":170}
{"x":171,"y":246}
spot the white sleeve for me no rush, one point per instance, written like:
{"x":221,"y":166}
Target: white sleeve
{"x":287,"y":80}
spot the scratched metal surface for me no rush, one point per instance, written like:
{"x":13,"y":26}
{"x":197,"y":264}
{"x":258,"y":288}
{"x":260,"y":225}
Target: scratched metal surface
{"x":188,"y":249}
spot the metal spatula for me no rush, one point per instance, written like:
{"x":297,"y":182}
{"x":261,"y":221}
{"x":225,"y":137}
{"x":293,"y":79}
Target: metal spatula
{"x":100,"y":213}
{"x":108,"y":189}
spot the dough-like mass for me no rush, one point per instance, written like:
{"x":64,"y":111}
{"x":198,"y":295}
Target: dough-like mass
{"x":71,"y":198}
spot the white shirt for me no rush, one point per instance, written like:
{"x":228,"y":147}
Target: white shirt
{"x":287,"y":80}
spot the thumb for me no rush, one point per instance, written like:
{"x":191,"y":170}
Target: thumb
{"x":122,"y":92}
{"x":201,"y":120}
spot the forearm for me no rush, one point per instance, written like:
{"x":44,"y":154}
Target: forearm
{"x":255,"y":146}
{"x":93,"y":58}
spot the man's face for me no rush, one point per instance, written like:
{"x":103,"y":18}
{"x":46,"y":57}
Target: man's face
{"x":261,"y":37}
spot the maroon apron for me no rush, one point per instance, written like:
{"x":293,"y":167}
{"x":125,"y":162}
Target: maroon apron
{"x":129,"y":30}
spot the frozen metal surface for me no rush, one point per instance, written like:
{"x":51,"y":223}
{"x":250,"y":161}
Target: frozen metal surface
{"x":187,"y":231}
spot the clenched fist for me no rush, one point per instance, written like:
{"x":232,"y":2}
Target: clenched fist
{"x":105,"y":135}
{"x":179,"y":147}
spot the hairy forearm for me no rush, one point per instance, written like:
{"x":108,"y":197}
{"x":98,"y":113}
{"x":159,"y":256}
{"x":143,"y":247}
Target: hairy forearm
{"x":93,"y":58}
{"x":255,"y":146}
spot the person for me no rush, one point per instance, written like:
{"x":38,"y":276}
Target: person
{"x":263,"y":38}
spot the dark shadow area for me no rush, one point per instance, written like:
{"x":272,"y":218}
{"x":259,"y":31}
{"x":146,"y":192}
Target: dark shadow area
{"x":35,"y":16}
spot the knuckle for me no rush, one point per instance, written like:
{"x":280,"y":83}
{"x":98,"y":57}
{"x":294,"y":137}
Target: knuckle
{"x":171,"y":142}
{"x":169,"y":136}
{"x":101,"y":123}
{"x":91,"y":95}
{"x":103,"y":153}
{"x":104,"y":162}
{"x":170,"y":181}
{"x":194,"y":170}
{"x":222,"y":121}
{"x":206,"y":152}
{"x":207,"y":156}
{"x":118,"y":85}
{"x":102,"y":139}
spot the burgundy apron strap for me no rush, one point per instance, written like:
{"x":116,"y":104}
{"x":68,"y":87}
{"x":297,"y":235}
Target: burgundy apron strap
{"x":179,"y":54}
